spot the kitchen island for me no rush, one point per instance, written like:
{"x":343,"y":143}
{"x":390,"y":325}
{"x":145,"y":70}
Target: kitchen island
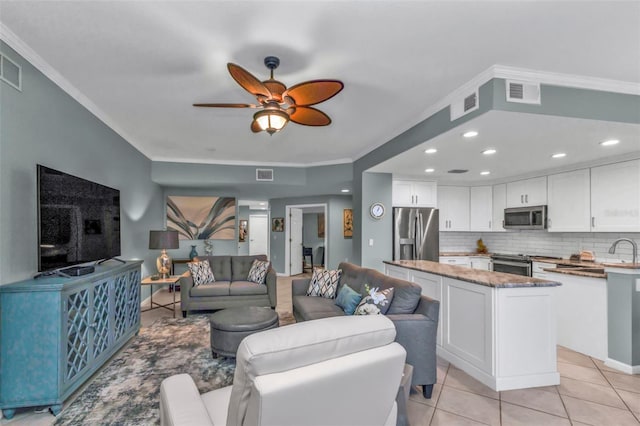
{"x":499,"y":328}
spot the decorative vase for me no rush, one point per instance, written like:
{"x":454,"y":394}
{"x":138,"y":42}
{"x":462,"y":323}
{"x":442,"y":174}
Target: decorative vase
{"x":193,"y":252}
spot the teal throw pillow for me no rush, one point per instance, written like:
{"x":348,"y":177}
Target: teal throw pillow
{"x":348,"y":299}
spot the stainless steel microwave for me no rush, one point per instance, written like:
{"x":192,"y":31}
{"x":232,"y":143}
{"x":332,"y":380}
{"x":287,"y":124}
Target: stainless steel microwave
{"x":534,"y":217}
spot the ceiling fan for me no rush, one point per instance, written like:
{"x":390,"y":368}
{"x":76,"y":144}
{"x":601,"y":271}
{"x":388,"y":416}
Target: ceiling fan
{"x":279,"y":105}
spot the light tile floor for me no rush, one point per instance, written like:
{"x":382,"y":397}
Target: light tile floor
{"x":589,"y":392}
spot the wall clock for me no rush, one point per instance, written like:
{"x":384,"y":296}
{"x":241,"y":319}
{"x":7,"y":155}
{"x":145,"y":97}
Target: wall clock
{"x":377,"y":210}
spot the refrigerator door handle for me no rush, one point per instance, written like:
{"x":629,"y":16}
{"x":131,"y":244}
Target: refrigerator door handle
{"x":415,"y":239}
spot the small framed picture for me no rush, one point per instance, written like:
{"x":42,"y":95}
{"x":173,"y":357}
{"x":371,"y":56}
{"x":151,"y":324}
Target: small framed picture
{"x":277,"y":224}
{"x":347,"y":223}
{"x":243,"y":230}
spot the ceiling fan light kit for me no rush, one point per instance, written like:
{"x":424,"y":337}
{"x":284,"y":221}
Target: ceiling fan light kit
{"x":280,"y":105}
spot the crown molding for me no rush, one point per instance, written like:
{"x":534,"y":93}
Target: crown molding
{"x":522,"y":74}
{"x":251,"y":163}
{"x":24,"y":50}
{"x":566,"y":80}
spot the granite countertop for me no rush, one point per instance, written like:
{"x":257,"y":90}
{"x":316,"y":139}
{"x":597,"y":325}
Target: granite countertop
{"x":622,"y":265}
{"x":576,"y":272}
{"x":464,"y":253}
{"x":476,"y":276}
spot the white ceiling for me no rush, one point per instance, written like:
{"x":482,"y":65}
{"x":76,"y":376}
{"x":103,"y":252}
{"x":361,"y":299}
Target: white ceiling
{"x":524,"y":144}
{"x":142,"y":64}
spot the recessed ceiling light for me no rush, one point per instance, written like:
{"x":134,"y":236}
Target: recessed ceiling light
{"x":486,"y":172}
{"x":263,"y":204}
{"x":470,"y":134}
{"x":610,"y":142}
{"x":344,"y":190}
{"x":559,"y":155}
{"x":430,"y":151}
{"x":429,"y":170}
{"x":489,"y":151}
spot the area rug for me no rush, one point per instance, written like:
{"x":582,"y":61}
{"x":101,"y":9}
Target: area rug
{"x":127,"y":390}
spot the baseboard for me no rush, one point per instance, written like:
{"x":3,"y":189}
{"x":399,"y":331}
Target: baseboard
{"x":625,"y":368}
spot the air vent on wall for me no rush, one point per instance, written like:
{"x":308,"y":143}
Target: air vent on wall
{"x":264,"y":175}
{"x":464,"y":105}
{"x":523,"y":92}
{"x":10,"y":72}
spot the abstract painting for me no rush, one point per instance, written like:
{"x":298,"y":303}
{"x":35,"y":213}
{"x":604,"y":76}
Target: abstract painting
{"x":202,"y":218}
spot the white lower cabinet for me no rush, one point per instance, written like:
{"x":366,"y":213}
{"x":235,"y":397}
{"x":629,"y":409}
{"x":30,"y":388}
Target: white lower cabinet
{"x":480,"y":262}
{"x":582,"y":314}
{"x":503,"y":337}
{"x":456,"y":260}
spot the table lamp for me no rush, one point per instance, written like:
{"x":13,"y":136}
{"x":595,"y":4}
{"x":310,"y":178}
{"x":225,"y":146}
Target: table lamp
{"x":163,"y":240}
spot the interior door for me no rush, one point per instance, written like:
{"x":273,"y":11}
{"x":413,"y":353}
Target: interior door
{"x":258,"y":235}
{"x":295,"y":241}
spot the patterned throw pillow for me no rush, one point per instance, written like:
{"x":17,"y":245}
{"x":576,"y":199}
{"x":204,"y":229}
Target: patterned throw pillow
{"x":201,"y":272}
{"x":324,"y":283}
{"x":258,"y":271}
{"x":376,"y":302}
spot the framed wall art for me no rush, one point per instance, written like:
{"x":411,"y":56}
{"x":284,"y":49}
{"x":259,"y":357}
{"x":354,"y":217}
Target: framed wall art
{"x":320,"y":225}
{"x":277,"y":224}
{"x":347,"y":223}
{"x":202,"y":218}
{"x":243,"y":230}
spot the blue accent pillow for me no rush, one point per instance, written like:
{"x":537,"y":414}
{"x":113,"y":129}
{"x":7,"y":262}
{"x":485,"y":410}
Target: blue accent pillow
{"x":348,"y":299}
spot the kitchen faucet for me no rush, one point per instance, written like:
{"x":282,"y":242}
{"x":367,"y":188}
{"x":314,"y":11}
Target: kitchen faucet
{"x":612,"y":249}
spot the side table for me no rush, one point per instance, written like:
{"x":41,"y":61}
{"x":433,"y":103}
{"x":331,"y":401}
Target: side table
{"x":172,"y":281}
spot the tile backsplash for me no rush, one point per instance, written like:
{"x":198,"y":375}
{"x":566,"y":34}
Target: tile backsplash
{"x":542,"y":243}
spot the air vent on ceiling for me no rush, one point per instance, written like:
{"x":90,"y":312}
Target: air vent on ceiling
{"x":265,"y":175}
{"x":523,"y":92}
{"x":10,"y":72}
{"x":464,"y":105}
{"x":458,"y":171}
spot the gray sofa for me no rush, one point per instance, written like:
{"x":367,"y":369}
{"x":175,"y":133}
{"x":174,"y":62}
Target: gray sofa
{"x":231,"y":288}
{"x":414,"y":316}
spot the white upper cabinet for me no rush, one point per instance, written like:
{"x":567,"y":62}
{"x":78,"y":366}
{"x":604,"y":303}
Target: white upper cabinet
{"x":569,"y":202}
{"x":615,"y":197}
{"x":481,"y":207}
{"x":528,"y":192}
{"x":499,"y":204}
{"x":453,"y":203}
{"x":412,"y":193}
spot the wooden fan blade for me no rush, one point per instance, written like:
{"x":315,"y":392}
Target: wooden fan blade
{"x":248,"y":82}
{"x":313,"y":92}
{"x":225,"y":105}
{"x":255,"y":128}
{"x":308,"y":116}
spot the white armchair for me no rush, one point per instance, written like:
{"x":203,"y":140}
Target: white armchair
{"x":331,"y":371}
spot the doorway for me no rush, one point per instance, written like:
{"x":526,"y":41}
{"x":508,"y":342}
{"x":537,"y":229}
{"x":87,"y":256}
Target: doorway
{"x":259,"y":234}
{"x":306,"y":232}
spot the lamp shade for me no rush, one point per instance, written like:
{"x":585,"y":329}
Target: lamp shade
{"x":163,"y":240}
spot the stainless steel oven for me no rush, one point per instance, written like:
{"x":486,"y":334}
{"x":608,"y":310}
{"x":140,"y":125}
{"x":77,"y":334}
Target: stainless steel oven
{"x":517,"y":264}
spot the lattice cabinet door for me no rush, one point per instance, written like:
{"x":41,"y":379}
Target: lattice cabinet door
{"x":120,"y":298}
{"x":100,"y":324}
{"x":77,"y":320}
{"x":133,"y":299}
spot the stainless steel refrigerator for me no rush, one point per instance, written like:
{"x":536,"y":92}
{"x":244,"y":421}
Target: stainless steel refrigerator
{"x":416,"y":234}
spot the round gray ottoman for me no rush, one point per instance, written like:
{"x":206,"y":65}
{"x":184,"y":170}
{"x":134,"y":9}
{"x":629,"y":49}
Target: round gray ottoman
{"x":230,"y":326}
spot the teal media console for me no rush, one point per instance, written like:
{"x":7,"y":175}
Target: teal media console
{"x":56,"y":332}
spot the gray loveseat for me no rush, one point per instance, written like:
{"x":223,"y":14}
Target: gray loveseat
{"x":415,"y":316}
{"x":231,"y":288}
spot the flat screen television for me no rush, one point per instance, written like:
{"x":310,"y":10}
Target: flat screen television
{"x":78,"y":220}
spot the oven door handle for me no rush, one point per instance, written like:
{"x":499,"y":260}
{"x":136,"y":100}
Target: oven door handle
{"x":509,"y":263}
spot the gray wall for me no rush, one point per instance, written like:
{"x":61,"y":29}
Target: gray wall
{"x":338,"y":248}
{"x":376,"y":187}
{"x":44,"y":125}
{"x":310,"y":235}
